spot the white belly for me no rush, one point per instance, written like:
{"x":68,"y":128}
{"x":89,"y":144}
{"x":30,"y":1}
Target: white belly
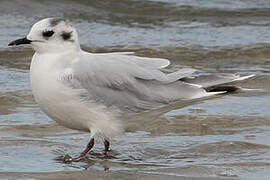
{"x":63,"y":103}
{"x":59,"y":106}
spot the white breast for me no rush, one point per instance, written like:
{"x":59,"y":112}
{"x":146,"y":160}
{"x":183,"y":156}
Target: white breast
{"x":63,"y":104}
{"x":55,"y":99}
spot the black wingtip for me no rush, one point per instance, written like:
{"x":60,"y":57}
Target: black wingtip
{"x":227,"y":88}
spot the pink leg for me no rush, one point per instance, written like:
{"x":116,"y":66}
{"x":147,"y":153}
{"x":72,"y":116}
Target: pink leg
{"x":107,"y":146}
{"x":88,"y":147}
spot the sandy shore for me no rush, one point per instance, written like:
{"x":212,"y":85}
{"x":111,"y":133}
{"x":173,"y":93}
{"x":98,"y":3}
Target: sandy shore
{"x":100,"y":175}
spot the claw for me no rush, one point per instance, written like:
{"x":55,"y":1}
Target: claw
{"x":67,"y":159}
{"x":77,"y":159}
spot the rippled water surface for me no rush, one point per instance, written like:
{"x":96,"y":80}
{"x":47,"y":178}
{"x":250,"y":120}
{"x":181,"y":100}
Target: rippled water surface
{"x":226,"y":137}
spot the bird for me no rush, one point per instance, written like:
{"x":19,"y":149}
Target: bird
{"x":90,"y":91}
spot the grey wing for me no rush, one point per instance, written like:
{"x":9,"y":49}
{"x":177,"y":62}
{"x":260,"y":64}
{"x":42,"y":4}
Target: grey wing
{"x":128,"y":83}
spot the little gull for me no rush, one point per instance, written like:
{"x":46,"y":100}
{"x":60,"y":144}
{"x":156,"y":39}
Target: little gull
{"x":90,"y":91}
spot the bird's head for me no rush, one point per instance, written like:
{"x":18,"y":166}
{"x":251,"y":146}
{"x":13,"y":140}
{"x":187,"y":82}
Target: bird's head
{"x":51,"y":35}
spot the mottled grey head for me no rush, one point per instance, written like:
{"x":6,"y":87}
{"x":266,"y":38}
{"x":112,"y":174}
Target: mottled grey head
{"x":51,"y":35}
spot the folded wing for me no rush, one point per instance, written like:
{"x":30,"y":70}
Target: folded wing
{"x":131,"y":83}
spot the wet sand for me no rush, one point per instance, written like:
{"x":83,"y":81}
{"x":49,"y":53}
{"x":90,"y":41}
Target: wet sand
{"x":224,"y":137}
{"x":101,"y":175}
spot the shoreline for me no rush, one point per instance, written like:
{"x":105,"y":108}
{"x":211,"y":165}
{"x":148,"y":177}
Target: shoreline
{"x":100,"y":175}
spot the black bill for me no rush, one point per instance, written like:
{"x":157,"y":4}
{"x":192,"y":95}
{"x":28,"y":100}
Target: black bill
{"x":20,"y":41}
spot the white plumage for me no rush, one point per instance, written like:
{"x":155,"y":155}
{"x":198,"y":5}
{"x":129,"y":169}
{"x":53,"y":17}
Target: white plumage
{"x":89,"y":92}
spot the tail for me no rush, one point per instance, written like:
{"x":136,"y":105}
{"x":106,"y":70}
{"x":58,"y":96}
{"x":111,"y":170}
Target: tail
{"x":218,"y":83}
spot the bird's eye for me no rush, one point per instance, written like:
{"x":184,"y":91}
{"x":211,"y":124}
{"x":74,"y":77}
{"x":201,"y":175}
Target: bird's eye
{"x":47,"y":33}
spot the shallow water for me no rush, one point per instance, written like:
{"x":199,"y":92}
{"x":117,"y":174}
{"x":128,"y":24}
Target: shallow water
{"x":222,"y":137}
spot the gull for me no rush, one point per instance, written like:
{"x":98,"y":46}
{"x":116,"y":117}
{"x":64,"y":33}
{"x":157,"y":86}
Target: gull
{"x":91,"y":91}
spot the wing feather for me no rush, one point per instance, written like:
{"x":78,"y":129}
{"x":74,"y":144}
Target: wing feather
{"x":130,"y":82}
